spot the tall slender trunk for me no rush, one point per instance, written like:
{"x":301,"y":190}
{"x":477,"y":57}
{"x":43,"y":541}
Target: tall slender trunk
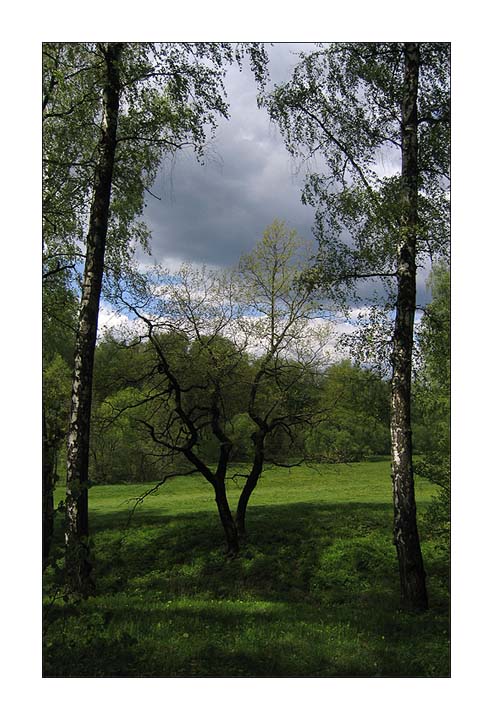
{"x":406,"y":538}
{"x":78,"y":564}
{"x":251,"y":482}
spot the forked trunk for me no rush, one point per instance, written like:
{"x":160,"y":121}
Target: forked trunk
{"x":78,"y":564}
{"x":243,"y":500}
{"x":227,"y":519}
{"x":406,"y":538}
{"x":251,"y":483}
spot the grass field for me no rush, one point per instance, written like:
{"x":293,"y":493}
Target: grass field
{"x":314,"y":592}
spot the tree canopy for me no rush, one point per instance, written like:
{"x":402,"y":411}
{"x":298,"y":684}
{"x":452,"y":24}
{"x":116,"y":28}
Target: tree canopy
{"x":343,"y":106}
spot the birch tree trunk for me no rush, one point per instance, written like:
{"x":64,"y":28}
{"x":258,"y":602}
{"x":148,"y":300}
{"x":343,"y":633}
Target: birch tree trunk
{"x":78,"y":564}
{"x":406,"y":538}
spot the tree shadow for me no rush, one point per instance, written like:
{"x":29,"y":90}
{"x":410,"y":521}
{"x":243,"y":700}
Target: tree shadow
{"x":313,"y":593}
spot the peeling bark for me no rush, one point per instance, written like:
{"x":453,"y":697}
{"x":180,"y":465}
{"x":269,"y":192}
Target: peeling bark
{"x":78,"y":564}
{"x":406,"y":537}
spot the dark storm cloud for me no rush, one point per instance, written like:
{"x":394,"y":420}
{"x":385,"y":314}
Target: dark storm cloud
{"x":212,"y":213}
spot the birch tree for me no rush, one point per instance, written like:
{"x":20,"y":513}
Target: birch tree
{"x":376,"y":117}
{"x":110,"y":112}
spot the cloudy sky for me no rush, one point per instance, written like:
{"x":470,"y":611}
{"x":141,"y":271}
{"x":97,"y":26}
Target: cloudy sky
{"x":212,"y":213}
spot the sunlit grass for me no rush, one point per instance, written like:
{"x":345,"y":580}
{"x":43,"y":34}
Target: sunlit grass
{"x":314,"y":592}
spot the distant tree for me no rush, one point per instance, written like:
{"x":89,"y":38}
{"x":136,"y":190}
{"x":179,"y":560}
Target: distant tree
{"x":59,"y":318}
{"x":110,"y":111}
{"x":361,"y":107}
{"x":356,"y":401}
{"x":56,"y":406}
{"x":432,"y":398}
{"x":119,"y":451}
{"x":59,"y":312}
{"x":117,"y":366}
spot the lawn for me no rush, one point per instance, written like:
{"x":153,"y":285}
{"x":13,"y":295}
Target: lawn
{"x":314,"y":592}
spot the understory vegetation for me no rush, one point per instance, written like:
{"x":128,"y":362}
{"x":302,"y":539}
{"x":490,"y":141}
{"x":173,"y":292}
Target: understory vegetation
{"x":313,"y":593}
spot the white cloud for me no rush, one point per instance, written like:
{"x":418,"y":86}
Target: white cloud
{"x":115,"y":322}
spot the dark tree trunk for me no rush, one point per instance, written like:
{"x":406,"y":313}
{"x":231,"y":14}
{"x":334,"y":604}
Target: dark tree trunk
{"x":48,"y":472}
{"x":78,"y":564}
{"x":406,"y":538}
{"x":251,"y":482}
{"x":227,"y":520}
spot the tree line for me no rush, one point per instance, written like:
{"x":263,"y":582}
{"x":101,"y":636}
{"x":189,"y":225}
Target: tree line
{"x":111,"y":111}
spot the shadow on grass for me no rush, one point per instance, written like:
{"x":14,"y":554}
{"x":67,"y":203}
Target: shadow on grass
{"x":313,"y":593}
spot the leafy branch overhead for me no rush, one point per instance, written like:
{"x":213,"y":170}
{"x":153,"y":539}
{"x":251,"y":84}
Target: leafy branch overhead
{"x":171,"y":95}
{"x":342,"y":107}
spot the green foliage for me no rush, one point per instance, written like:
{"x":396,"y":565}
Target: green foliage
{"x":314,"y":594}
{"x":71,"y":109}
{"x":270,"y":283}
{"x":56,"y":399}
{"x":59,"y":317}
{"x":434,"y":343}
{"x":357,"y":416}
{"x":343,"y":103}
{"x":433,"y":374}
{"x":338,"y":415}
{"x":120,"y":453}
{"x":170,"y":97}
{"x":241,"y":435}
{"x":119,"y":364}
{"x":132,"y":394}
{"x":120,"y":450}
{"x":432,"y":398}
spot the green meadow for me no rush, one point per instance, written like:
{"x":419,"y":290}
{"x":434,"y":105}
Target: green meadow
{"x":313,"y":593}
